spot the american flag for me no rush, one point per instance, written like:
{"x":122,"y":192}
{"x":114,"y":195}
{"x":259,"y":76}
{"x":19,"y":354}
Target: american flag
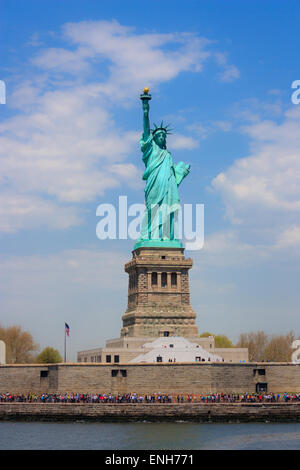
{"x":67,"y":328}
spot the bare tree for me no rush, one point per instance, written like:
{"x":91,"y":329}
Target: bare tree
{"x":20,"y":345}
{"x":256,"y":342}
{"x":263,"y":347}
{"x":279,"y":348}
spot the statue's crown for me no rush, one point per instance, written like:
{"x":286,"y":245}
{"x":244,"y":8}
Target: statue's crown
{"x":161,"y":128}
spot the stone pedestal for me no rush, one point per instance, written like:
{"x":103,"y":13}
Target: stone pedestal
{"x":159,"y":295}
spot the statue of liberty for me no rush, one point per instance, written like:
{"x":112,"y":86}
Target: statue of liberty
{"x":160,"y":222}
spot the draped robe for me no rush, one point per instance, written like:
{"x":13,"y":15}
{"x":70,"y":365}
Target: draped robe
{"x":161,"y":192}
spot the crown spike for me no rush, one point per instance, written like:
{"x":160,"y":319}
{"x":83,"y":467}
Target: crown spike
{"x":166,"y":128}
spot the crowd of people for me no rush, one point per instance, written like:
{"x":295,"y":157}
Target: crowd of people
{"x":152,"y":398}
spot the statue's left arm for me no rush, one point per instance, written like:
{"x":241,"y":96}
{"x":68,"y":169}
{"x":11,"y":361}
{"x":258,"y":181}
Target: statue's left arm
{"x":181,"y":171}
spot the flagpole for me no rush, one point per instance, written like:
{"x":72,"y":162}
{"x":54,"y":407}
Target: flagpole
{"x":67,"y":329}
{"x":65,"y":344}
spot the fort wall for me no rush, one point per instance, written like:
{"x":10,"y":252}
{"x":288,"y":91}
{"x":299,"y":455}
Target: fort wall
{"x":196,"y":412}
{"x":174,"y":378}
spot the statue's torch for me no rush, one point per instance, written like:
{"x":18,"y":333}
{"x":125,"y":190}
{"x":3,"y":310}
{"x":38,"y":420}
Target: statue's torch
{"x":145,"y":96}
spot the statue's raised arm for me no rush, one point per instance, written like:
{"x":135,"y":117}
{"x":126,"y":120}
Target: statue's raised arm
{"x":146,"y":97}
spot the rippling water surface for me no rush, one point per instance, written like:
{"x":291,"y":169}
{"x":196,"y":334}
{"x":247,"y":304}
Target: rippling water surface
{"x":152,"y":436}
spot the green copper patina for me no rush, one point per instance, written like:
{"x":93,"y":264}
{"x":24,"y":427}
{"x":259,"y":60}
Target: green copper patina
{"x":160,"y":222}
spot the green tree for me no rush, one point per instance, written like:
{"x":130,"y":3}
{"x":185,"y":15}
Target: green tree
{"x":49,"y":355}
{"x":221,"y":341}
{"x":20,"y":345}
{"x":206,"y":334}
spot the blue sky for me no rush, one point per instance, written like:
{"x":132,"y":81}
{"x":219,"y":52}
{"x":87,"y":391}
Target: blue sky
{"x":220,"y":73}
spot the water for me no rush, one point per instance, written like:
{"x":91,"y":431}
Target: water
{"x":148,"y":436}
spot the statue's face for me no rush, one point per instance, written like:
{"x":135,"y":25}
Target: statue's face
{"x":160,"y":139}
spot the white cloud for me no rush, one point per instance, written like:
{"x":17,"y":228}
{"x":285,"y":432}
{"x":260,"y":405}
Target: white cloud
{"x":224,"y":126}
{"x":63,"y":146}
{"x":261,"y":192}
{"x":225,"y":248}
{"x":253,"y":110}
{"x":199,"y":129}
{"x":19,"y":211}
{"x":66,"y":149}
{"x":290,"y":238}
{"x":63,"y":59}
{"x":270,"y":177}
{"x":179,"y":141}
{"x":134,"y":60}
{"x":230,"y":72}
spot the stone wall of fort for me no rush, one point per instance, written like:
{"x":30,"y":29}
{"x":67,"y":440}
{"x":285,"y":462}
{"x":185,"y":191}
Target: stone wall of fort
{"x":196,"y":412}
{"x":174,"y":378}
